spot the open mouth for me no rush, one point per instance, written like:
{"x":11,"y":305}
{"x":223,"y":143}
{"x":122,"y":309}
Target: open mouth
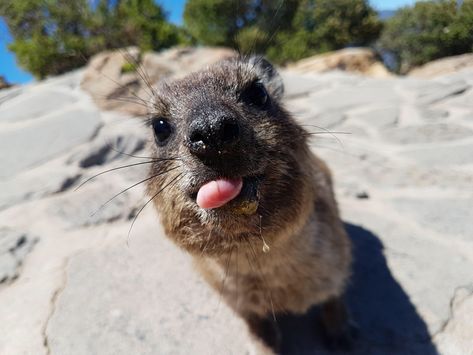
{"x":240,"y":195}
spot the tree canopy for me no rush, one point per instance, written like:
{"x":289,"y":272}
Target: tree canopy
{"x":54,"y":36}
{"x":283,"y":29}
{"x":429,"y":30}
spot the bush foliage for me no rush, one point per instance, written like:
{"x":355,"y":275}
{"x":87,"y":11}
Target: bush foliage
{"x":54,"y":36}
{"x":284,"y":30}
{"x":428,"y":31}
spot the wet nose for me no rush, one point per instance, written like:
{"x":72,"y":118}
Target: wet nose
{"x":213,"y":137}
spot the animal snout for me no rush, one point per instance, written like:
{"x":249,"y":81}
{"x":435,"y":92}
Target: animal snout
{"x":210,"y":137}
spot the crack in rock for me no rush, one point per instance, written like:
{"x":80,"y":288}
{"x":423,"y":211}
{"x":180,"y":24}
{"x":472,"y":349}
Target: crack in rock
{"x":53,"y":305}
{"x":452,"y":306}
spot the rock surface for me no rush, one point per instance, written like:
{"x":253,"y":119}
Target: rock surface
{"x":76,"y":279}
{"x":443,"y":66}
{"x":119,"y":80}
{"x":14,"y":247}
{"x":355,"y":60}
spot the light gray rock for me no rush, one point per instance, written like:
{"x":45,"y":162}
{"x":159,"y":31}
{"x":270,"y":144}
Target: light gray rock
{"x":369,"y":92}
{"x":34,"y":104}
{"x":8,"y":94}
{"x":428,"y":133}
{"x":36,"y":183}
{"x":84,"y":291}
{"x":325,"y":120}
{"x":45,"y":138}
{"x":456,"y":336}
{"x":447,"y":216}
{"x":90,"y":205}
{"x":442,"y":155}
{"x":378,"y":117}
{"x":14,"y":247}
{"x":464,"y":100}
{"x":351,"y":129}
{"x":431,"y":114}
{"x":144,"y":299}
{"x":67,"y":81}
{"x":426,"y":273}
{"x":112,"y":143}
{"x":297,"y":85}
{"x":442,"y":91}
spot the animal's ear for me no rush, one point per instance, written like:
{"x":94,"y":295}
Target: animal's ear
{"x":269,"y":76}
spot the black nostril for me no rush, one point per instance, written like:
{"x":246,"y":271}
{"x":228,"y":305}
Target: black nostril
{"x":229,"y":132}
{"x":196,"y":137}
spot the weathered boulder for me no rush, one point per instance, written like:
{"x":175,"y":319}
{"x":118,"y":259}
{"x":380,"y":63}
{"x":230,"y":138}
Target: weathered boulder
{"x":120,"y":80}
{"x":444,"y":66}
{"x":356,"y":60}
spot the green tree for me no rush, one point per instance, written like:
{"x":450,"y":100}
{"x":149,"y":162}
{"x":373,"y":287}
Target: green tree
{"x":427,"y":31}
{"x":326,"y":25}
{"x":242,"y":24}
{"x":283,"y":30}
{"x":54,"y":36}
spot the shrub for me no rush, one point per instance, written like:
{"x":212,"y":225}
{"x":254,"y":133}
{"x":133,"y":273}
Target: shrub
{"x":283,"y":30}
{"x":427,"y":31}
{"x":54,"y":36}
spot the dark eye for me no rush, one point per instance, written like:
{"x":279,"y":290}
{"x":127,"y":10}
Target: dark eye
{"x":162,"y":130}
{"x":256,"y":95}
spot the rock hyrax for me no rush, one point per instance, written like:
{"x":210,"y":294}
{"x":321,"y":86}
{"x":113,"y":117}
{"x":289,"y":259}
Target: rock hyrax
{"x":237,"y":186}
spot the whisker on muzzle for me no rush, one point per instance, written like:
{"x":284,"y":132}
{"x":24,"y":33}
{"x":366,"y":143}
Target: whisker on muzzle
{"x":172,"y":182}
{"x":132,"y":186}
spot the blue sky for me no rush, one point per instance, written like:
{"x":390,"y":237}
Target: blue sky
{"x":175,"y":8}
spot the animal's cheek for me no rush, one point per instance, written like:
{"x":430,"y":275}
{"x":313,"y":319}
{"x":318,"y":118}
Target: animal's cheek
{"x":267,"y":139}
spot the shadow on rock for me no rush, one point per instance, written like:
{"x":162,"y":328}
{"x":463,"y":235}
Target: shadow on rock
{"x":388,"y":322}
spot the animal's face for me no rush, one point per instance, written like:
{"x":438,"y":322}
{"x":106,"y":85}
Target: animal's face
{"x":224,"y":126}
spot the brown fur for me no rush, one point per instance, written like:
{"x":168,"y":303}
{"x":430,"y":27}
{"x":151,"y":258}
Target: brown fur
{"x":309,"y":255}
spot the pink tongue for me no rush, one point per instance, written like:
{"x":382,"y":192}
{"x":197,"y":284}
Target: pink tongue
{"x":218,"y":192}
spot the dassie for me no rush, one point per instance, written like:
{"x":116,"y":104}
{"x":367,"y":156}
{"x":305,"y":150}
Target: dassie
{"x":236,"y":185}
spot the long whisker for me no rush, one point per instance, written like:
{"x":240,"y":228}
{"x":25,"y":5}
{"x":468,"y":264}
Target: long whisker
{"x":124,"y":99}
{"x":134,"y":156}
{"x":344,"y":152}
{"x":268,"y":42}
{"x":140,"y":69}
{"x":122,"y":167}
{"x":140,"y":101}
{"x":333,"y":132}
{"x":174,"y":180}
{"x":128,"y":57}
{"x":143,"y":101}
{"x":328,"y":132}
{"x":132,"y":186}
